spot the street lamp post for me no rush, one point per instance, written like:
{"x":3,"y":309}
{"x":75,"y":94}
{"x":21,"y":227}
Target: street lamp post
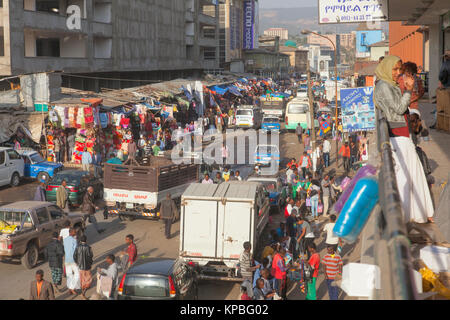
{"x":304,"y":31}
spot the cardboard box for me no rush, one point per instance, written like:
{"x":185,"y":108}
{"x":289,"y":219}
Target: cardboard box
{"x":443,"y":122}
{"x":436,"y":258}
{"x":443,"y":101}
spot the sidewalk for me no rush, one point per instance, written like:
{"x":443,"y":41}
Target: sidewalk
{"x":437,"y":149}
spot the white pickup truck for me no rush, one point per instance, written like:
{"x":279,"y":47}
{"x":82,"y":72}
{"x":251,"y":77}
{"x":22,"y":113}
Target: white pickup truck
{"x":216,"y":220}
{"x":11,"y":167}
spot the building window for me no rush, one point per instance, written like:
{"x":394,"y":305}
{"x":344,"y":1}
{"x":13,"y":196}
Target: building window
{"x":48,"y":6}
{"x":47,"y":47}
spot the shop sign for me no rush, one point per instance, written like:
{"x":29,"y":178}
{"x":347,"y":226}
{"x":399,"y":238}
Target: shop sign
{"x":347,"y":11}
{"x":249,"y":24}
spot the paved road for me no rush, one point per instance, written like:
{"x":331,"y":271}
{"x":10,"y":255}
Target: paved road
{"x":150,"y":241}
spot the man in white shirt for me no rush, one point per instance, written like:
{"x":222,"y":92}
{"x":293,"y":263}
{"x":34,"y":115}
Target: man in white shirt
{"x":111,"y":272}
{"x":237,"y":175}
{"x":290,"y":175}
{"x":331,"y":239}
{"x":207,"y":180}
{"x":326,"y":152}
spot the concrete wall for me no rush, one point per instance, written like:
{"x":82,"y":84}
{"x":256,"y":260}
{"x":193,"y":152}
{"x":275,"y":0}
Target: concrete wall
{"x":40,"y":88}
{"x":73,"y":46}
{"x":435,"y":57}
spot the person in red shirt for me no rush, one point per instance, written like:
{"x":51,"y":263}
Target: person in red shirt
{"x":314,"y":262}
{"x":409,"y":69}
{"x":345,"y":151}
{"x":333,"y":271}
{"x":131,"y":250}
{"x":279,"y":269}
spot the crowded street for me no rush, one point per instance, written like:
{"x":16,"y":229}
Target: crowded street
{"x":220,"y":150}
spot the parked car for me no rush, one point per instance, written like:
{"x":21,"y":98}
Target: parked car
{"x":265,"y":153}
{"x":274,"y":186}
{"x":11,"y":167}
{"x":159,"y":279}
{"x":36,"y":167}
{"x":26,"y":227}
{"x":270,"y":123}
{"x":77,"y":184}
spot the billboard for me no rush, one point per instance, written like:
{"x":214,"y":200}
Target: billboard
{"x":366,"y":38}
{"x":357,"y":108}
{"x":249,"y":24}
{"x":347,"y":11}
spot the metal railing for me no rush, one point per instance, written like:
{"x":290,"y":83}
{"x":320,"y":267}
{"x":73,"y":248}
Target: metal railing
{"x":392,"y":250}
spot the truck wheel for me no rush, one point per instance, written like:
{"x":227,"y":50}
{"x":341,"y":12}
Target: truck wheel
{"x":15,"y":179}
{"x":43,"y":176}
{"x":30,"y":258}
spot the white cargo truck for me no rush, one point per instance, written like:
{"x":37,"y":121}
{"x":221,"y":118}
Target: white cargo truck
{"x":215,"y":222}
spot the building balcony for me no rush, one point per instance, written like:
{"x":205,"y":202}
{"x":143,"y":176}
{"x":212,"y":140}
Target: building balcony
{"x":208,"y":42}
{"x":210,"y":64}
{"x":48,"y":21}
{"x":102,"y":29}
{"x":189,"y":40}
{"x":204,"y":19}
{"x":189,"y":16}
{"x":43,"y":64}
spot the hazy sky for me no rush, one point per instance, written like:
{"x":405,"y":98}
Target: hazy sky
{"x":286,"y":3}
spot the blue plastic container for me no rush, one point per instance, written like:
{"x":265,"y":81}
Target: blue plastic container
{"x":357,"y":209}
{"x":362,"y":172}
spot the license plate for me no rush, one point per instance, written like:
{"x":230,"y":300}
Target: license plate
{"x":129,"y":205}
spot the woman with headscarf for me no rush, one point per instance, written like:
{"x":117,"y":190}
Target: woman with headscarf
{"x":414,"y":194}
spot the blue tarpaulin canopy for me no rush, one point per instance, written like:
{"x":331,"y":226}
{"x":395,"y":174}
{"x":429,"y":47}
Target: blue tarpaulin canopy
{"x":219,"y":90}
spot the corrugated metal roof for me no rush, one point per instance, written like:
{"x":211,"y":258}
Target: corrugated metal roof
{"x":236,"y":190}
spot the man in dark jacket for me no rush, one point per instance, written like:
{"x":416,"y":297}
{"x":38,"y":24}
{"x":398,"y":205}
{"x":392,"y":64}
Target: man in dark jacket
{"x":83,"y":257}
{"x":168,"y":213}
{"x":54,"y":254}
{"x":41,"y":289}
{"x":89,"y":207}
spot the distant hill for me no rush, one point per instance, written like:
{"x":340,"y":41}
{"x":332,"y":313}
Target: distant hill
{"x":296,"y":19}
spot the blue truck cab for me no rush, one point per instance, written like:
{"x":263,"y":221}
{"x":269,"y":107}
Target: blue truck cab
{"x":36,"y":167}
{"x":270,"y":123}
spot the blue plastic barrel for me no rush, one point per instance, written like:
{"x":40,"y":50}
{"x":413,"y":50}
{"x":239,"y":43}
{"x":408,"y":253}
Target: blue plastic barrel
{"x":357,"y":209}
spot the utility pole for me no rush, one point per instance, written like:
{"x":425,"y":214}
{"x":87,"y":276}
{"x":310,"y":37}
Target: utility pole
{"x":311,"y":109}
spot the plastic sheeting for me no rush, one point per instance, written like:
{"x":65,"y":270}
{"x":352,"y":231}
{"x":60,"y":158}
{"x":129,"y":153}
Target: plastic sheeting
{"x":31,"y":124}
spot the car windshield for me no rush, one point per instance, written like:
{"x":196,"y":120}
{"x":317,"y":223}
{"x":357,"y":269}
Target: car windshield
{"x":36,"y":158}
{"x":15,"y":218}
{"x":71,"y":179}
{"x":151,"y":287}
{"x":244,"y":112}
{"x":270,"y":120}
{"x":297,"y":108}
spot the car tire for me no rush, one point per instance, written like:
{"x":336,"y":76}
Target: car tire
{"x":30,"y":258}
{"x":15,"y":180}
{"x":43,"y":176}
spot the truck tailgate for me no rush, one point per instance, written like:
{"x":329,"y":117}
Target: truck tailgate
{"x":215,"y":230}
{"x":198,"y":230}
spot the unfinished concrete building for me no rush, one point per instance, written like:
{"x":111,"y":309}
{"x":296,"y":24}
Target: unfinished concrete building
{"x":115,"y":39}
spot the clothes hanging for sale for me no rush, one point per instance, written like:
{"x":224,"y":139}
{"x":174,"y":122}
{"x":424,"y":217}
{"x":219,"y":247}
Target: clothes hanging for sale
{"x":88,"y":117}
{"x":96,"y":117}
{"x":66,"y":117}
{"x":125,"y":122}
{"x":103,"y":120}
